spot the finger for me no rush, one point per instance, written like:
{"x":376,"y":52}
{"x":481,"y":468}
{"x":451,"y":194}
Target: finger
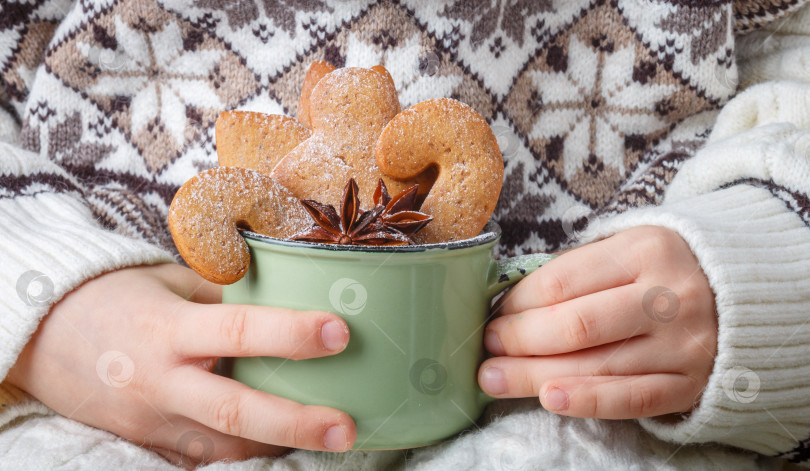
{"x":584,"y":270}
{"x":232,"y":408}
{"x":187,"y":284}
{"x":511,"y":377}
{"x":205,"y":292}
{"x":238,"y":330}
{"x":199,"y":290}
{"x":187,"y":442}
{"x":595,"y":319}
{"x":620,"y":397}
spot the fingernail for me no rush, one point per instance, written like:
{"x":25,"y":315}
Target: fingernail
{"x":335,"y":438}
{"x":493,"y":343}
{"x":556,"y":400}
{"x":333,"y":335}
{"x":494,"y":381}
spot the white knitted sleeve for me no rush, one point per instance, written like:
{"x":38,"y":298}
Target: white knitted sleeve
{"x":743,"y":206}
{"x":49,"y":244}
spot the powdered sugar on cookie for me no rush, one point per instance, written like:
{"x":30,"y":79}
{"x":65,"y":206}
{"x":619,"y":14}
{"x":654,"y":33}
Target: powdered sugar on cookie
{"x":349,"y":127}
{"x":452,"y":136}
{"x":208,"y":210}
{"x":348,"y":109}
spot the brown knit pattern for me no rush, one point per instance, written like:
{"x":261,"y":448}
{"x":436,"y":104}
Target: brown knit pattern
{"x":753,"y":14}
{"x":596,"y":104}
{"x":583,"y":96}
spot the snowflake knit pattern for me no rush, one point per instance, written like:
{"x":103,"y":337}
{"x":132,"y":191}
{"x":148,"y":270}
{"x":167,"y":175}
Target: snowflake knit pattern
{"x":597,"y":106}
{"x":582,"y":96}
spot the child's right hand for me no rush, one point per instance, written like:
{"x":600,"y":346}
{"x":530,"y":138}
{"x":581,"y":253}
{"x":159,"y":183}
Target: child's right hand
{"x":132,"y":351}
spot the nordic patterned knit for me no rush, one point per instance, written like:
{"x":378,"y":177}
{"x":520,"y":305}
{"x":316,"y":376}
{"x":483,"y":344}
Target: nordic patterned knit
{"x":609,"y":113}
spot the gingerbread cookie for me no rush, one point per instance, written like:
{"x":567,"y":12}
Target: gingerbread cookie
{"x":317,"y":70}
{"x":207,"y":211}
{"x":348,"y":110}
{"x":256,"y":140}
{"x":382,"y":70}
{"x":451,"y":136}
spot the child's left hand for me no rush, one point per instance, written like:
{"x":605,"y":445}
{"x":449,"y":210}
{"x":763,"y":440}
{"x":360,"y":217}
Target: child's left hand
{"x":621,"y":328}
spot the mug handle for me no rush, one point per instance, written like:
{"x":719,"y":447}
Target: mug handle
{"x":505,"y":273}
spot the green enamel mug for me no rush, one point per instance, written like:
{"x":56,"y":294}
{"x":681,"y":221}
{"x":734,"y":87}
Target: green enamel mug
{"x":416,"y":316}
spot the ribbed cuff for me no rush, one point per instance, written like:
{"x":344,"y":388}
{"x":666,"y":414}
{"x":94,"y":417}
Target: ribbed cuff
{"x":50,"y":244}
{"x":756,"y":255}
{"x":16,"y":403}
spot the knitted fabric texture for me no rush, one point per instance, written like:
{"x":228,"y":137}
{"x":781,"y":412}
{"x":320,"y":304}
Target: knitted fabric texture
{"x":598,"y":107}
{"x":582,"y":97}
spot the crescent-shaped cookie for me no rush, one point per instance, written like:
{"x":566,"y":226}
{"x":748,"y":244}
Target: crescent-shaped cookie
{"x":454,"y":138}
{"x":208,"y":210}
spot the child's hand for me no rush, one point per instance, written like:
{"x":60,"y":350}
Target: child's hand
{"x":132,"y":351}
{"x":621,"y":328}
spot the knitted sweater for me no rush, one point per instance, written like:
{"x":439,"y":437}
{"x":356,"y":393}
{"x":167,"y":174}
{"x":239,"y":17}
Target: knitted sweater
{"x":609,"y":114}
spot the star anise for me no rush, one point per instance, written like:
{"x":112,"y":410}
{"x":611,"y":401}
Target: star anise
{"x":400,"y":212}
{"x":390,"y":222}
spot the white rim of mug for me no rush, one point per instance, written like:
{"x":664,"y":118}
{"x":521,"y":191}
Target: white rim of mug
{"x":490,"y":233}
